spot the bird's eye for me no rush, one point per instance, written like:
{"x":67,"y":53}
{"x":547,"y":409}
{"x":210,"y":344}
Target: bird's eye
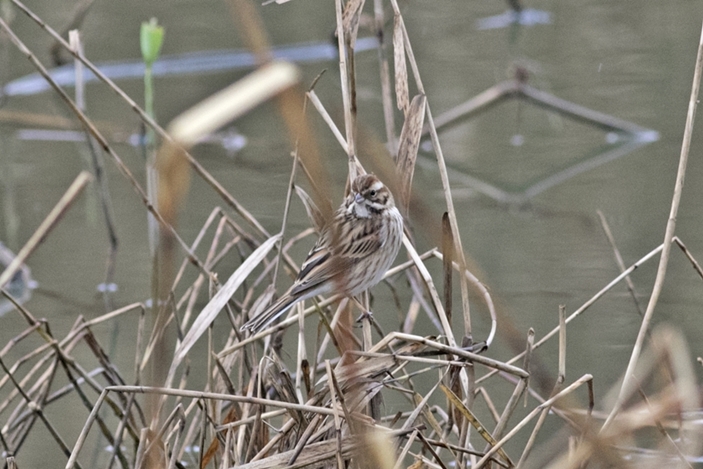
{"x":372,"y":193}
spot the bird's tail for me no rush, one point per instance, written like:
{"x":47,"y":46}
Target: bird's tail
{"x":274,"y":311}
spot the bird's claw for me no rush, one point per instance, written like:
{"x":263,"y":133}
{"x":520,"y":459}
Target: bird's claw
{"x":365,"y":315}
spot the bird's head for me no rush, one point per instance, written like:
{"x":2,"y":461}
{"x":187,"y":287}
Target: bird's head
{"x":369,"y":195}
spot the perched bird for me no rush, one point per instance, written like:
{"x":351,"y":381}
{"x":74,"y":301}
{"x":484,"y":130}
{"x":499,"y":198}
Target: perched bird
{"x":355,"y":249}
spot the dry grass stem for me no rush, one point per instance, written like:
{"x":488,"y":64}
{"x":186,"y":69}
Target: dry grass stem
{"x":315,"y":100}
{"x":619,"y":260}
{"x":326,"y":392}
{"x":670,"y":226}
{"x":45,"y":227}
{"x":346,"y":85}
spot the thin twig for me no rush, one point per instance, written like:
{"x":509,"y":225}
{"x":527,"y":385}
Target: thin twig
{"x":619,"y":260}
{"x":47,"y":225}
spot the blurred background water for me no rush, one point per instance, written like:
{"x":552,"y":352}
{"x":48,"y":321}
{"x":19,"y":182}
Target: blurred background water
{"x":632,"y":60}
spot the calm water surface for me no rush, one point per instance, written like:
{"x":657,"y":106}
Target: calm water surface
{"x":635,"y":63}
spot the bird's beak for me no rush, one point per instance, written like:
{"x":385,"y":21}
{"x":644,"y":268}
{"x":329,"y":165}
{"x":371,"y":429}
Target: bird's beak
{"x":358,"y":198}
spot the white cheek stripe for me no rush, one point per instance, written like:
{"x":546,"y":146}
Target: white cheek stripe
{"x":377,"y":186}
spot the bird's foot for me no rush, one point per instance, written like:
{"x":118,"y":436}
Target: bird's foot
{"x":368,"y":315}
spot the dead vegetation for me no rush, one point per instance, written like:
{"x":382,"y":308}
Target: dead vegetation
{"x":348,"y":396}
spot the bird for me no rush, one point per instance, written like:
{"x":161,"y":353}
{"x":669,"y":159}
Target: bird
{"x":354,"y":250}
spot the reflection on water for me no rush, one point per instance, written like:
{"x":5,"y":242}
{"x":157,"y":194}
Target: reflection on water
{"x":20,"y":286}
{"x":180,"y":65}
{"x":622,"y":137}
{"x":229,"y":139}
{"x":525,"y":17}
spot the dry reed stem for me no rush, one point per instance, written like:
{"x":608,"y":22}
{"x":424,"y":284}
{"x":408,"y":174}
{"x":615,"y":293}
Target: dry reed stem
{"x":215,"y":305}
{"x":446,"y":349}
{"x":434,"y":295}
{"x":319,"y":220}
{"x":670,"y":228}
{"x":247,"y":19}
{"x":444,"y":177}
{"x":448,"y":255}
{"x":528,"y":357}
{"x":327,"y":424}
{"x":386,"y":98}
{"x":485,"y":294}
{"x":315,"y":100}
{"x":409,"y":143}
{"x":485,"y":434}
{"x":97,"y":162}
{"x":533,"y":436}
{"x":345,"y":81}
{"x":46,"y":225}
{"x":406,"y":449}
{"x":561,"y":373}
{"x":619,"y":260}
{"x":690,"y":257}
{"x":510,"y":407}
{"x":566,"y":391}
{"x":232,"y":102}
{"x":420,"y":406}
{"x":211,"y":260}
{"x":333,"y":387}
{"x":584,"y":306}
{"x":310,"y":206}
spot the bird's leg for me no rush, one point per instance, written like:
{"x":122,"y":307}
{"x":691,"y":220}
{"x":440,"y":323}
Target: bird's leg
{"x":366,"y":313}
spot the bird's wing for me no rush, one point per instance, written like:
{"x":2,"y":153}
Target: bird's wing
{"x":334,"y":253}
{"x":358,"y":240}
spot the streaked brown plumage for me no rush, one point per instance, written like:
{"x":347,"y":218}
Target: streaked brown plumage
{"x":354,"y":251}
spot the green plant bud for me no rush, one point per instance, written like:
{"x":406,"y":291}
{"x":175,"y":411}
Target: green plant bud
{"x":151,"y":37}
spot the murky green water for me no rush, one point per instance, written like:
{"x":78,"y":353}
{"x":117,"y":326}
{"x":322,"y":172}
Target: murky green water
{"x":633,"y":62}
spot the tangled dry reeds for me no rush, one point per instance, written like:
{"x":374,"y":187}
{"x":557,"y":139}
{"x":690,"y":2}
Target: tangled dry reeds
{"x":348,"y":396}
